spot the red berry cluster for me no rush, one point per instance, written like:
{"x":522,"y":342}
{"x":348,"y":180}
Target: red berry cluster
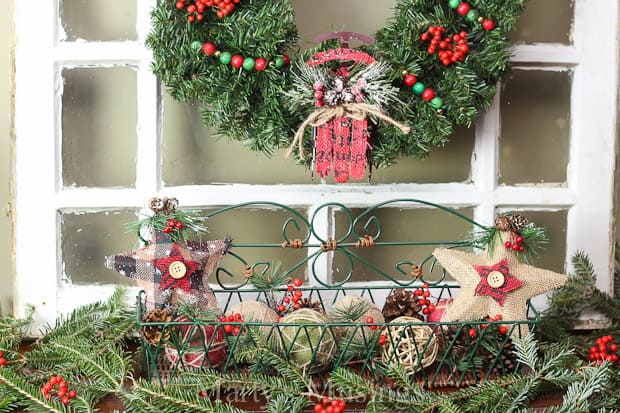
{"x":230,"y":328}
{"x":3,"y":361}
{"x":330,"y":406}
{"x":516,"y":243}
{"x":423,"y":295}
{"x":64,"y":394}
{"x":292,"y":296}
{"x":605,"y":349}
{"x":318,"y":94}
{"x":503,"y":330}
{"x":451,"y":49}
{"x":195,"y":10}
{"x":173,"y":225}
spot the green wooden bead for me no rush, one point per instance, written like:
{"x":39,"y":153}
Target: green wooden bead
{"x":454,"y":3}
{"x":279,"y":62}
{"x":472,"y":15}
{"x":436,"y":103}
{"x":225,"y":58}
{"x":248,"y":64}
{"x":196,"y":46}
{"x":418,"y":88}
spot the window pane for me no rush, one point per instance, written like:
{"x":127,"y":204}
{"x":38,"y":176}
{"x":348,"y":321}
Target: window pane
{"x":398,"y":225}
{"x":256,"y":226}
{"x":545,"y":21}
{"x":553,"y":256}
{"x":318,"y":17}
{"x":193,"y":156}
{"x":451,"y":163}
{"x":535,"y":118}
{"x":98,"y":20}
{"x":99,"y":118}
{"x":87,"y":237}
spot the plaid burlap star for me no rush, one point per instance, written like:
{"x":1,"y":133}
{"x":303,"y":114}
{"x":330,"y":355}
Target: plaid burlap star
{"x":494,"y":283}
{"x":169,"y":272}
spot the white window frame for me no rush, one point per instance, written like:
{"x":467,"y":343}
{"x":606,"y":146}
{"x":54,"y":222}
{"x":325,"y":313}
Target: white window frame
{"x":40,"y":56}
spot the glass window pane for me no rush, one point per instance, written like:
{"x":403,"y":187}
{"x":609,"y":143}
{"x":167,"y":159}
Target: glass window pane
{"x":254,"y":226}
{"x":193,"y":156}
{"x":451,"y":163}
{"x":399,"y":225}
{"x":553,"y":256}
{"x":99,"y":127}
{"x":98,"y":20}
{"x":535,"y":132}
{"x":545,"y":21}
{"x":318,"y":17}
{"x":87,"y":237}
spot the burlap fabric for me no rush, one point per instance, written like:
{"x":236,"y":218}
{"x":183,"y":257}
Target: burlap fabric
{"x":477,"y":298}
{"x":140,"y":265}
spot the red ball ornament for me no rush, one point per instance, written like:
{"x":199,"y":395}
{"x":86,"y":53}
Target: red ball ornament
{"x":463,"y":9}
{"x":410,"y":80}
{"x":287,"y":59}
{"x":488,"y":24}
{"x":260,"y":64}
{"x":208,"y":49}
{"x":236,"y":61}
{"x":428,"y":94}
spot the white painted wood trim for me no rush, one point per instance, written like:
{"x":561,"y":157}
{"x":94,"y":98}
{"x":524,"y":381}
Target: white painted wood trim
{"x":546,"y":53}
{"x":36,"y":281}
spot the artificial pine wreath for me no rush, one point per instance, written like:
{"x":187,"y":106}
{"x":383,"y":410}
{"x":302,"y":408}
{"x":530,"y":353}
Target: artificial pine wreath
{"x":440,"y":60}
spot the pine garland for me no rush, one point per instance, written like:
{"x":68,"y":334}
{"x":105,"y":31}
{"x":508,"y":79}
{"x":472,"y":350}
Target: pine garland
{"x":253,"y":106}
{"x":88,"y":348}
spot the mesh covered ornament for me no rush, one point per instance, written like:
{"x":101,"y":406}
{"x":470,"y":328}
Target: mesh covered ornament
{"x":344,"y":98}
{"x":168,"y":268}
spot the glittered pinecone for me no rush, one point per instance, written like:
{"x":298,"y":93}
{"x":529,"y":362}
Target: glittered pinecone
{"x":518,"y":222}
{"x":399,"y":303}
{"x":502,"y":223}
{"x":313,"y":305}
{"x":153,"y":334}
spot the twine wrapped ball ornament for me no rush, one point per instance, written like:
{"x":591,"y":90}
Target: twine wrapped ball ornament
{"x":364,"y":308}
{"x":258,"y":312}
{"x":197,"y":340}
{"x":411,"y":345}
{"x":307,"y":340}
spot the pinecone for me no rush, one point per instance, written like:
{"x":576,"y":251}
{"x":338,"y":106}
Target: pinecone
{"x":518,"y":222}
{"x":153,"y":334}
{"x":507,"y":362}
{"x":313,"y":305}
{"x":502,"y":223}
{"x":461,"y":345}
{"x":401,"y":302}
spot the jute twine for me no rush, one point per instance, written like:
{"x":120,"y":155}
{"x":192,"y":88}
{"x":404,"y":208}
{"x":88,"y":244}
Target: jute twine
{"x":412,"y":346}
{"x":309,"y":343}
{"x":346,"y":304}
{"x":256,"y":311}
{"x":355,"y":111}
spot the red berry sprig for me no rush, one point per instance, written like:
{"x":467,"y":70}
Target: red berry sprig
{"x":235,"y":328}
{"x":451,"y":49}
{"x":63,"y":393}
{"x":195,"y":10}
{"x":423,"y":295}
{"x":173,"y":226}
{"x":516,"y":243}
{"x":605,"y":349}
{"x":318,"y":88}
{"x":330,"y":406}
{"x":291,"y":297}
{"x":3,"y":361}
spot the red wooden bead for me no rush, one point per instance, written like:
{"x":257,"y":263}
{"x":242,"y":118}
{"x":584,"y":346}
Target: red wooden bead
{"x":463,"y":9}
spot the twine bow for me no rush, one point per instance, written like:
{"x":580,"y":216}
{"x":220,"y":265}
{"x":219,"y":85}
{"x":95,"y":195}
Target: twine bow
{"x":356,"y":111}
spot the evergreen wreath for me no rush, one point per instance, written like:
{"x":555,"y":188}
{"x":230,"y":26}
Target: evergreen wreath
{"x":443,"y":59}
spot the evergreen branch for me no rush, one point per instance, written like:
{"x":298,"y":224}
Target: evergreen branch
{"x":31,"y":398}
{"x":286,"y":403}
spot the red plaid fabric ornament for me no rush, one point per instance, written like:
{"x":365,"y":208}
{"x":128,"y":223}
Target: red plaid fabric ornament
{"x":170,"y":272}
{"x":490,"y":281}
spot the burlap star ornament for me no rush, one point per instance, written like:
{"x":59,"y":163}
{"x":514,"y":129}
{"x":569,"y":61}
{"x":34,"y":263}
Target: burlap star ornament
{"x":170,"y":272}
{"x":494,"y":283}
